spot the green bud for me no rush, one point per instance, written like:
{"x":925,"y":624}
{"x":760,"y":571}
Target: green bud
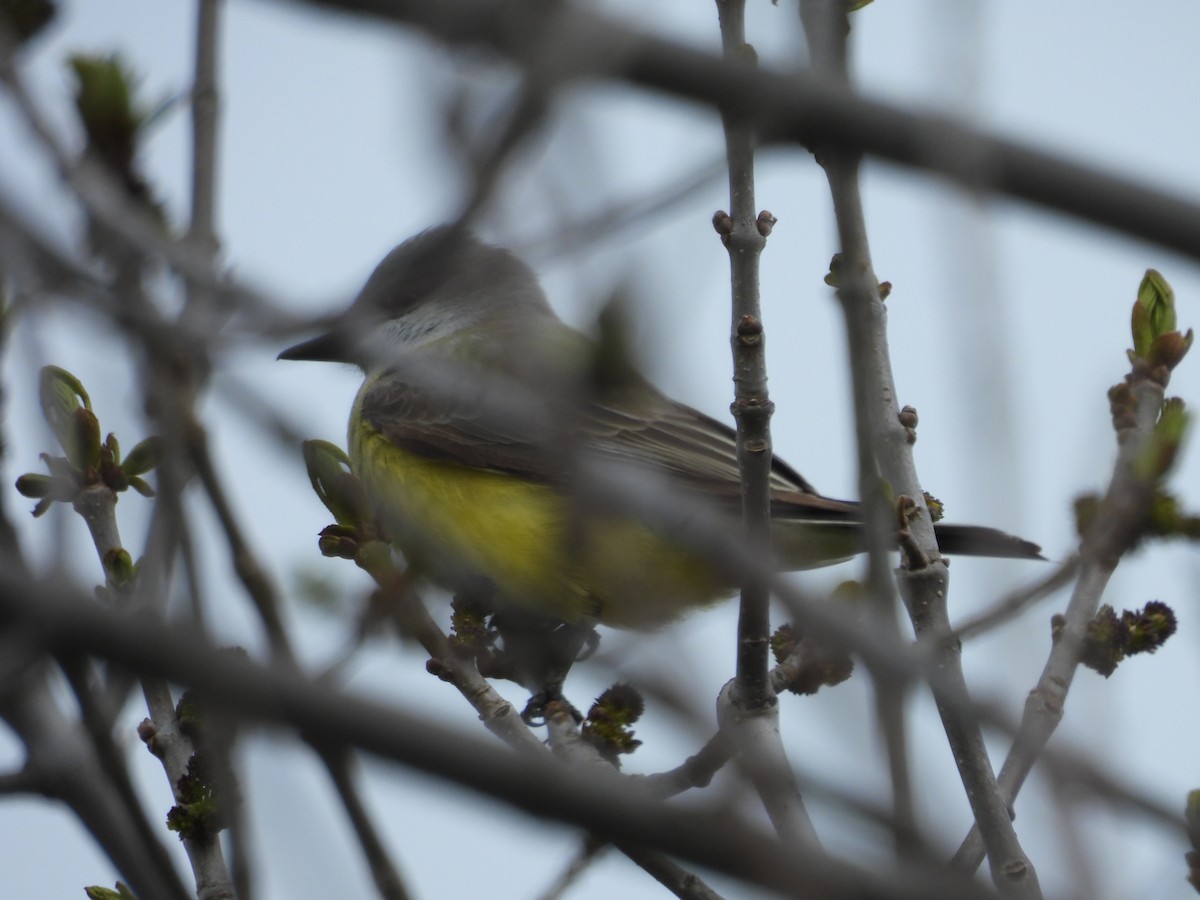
{"x":47,"y":489}
{"x":61,"y":394}
{"x":119,"y":567}
{"x":102,"y":893}
{"x":1169,"y":431}
{"x":35,"y":486}
{"x":104,"y":100}
{"x":1153,"y":313}
{"x":144,"y":457}
{"x":83,"y":449}
{"x":329,"y":472}
{"x":340,"y":541}
{"x":141,"y":486}
{"x":1168,"y":350}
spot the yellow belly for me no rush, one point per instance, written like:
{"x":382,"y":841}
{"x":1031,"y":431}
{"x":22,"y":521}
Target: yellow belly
{"x":454,"y":523}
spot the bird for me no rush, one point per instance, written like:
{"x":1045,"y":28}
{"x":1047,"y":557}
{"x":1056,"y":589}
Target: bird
{"x":451,"y":331}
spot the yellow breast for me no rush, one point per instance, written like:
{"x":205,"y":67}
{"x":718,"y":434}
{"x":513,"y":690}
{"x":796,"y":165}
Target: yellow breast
{"x":455,"y":523}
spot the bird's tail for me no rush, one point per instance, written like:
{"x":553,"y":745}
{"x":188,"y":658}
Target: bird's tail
{"x":975,"y":540}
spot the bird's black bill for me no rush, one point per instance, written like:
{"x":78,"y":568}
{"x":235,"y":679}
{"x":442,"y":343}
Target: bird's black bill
{"x":329,"y":347}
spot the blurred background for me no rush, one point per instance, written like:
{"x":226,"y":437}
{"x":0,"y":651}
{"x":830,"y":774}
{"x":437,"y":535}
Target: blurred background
{"x":1007,"y":326}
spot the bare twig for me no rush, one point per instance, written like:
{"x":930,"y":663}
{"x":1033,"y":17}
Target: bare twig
{"x":751,"y":404}
{"x":804,"y":109}
{"x":824,"y":28}
{"x":749,"y":709}
{"x":64,"y":623}
{"x":384,"y":873}
{"x":924,"y":581}
{"x":674,"y":877}
{"x":96,"y":505}
{"x":62,"y":765}
{"x":1123,"y":512}
{"x":1012,"y":605}
{"x":205,"y":109}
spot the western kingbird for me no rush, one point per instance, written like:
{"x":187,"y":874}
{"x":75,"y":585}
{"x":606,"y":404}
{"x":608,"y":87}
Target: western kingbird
{"x":446,"y":329}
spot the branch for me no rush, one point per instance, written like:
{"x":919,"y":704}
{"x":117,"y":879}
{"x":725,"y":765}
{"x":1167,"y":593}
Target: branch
{"x":174,"y":749}
{"x":924,"y":579}
{"x":62,"y":622}
{"x":63,"y":766}
{"x":205,"y":108}
{"x":1123,"y":512}
{"x":384,"y":873}
{"x":808,"y":110}
{"x":1012,"y":605}
{"x":825,"y":27}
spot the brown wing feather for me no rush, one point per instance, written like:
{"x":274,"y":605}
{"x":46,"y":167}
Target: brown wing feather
{"x":636,"y":425}
{"x":452,"y":429}
{"x":698,"y":451}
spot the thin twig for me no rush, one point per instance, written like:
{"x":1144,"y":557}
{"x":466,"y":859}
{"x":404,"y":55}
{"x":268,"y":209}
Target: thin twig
{"x":824,"y":28}
{"x":384,"y":873}
{"x":250,"y":572}
{"x":1012,"y":605}
{"x":924,"y":581}
{"x":674,"y":877}
{"x":1123,"y":512}
{"x":62,"y":622}
{"x":205,"y":109}
{"x":752,"y":406}
{"x":749,"y":712}
{"x":804,"y":109}
{"x":96,"y":505}
{"x":97,"y":723}
{"x":63,"y":766}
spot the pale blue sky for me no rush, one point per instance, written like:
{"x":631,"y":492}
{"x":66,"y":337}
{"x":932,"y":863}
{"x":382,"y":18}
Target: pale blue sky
{"x":1008,"y":325}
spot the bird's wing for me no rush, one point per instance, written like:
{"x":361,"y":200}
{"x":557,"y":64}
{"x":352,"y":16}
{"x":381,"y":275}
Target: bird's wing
{"x":461,"y":428}
{"x":643,"y":428}
{"x":632,"y":424}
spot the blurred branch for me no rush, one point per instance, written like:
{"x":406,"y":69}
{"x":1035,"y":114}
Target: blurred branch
{"x":924,"y":579}
{"x":205,"y":109}
{"x":645,"y":209}
{"x":62,"y":622}
{"x":752,"y":405}
{"x":168,"y":741}
{"x":748,"y":710}
{"x":249,"y":570}
{"x":570,"y":745}
{"x":107,"y":201}
{"x":806,"y":109}
{"x":1012,"y":605}
{"x":1123,"y":514}
{"x":62,"y":765}
{"x":825,"y":30}
{"x":339,"y":763}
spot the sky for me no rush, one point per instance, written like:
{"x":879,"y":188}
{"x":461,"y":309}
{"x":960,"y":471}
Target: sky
{"x":1007,"y":326}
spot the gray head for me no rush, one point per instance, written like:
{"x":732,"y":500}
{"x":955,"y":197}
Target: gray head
{"x":439,"y":280}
